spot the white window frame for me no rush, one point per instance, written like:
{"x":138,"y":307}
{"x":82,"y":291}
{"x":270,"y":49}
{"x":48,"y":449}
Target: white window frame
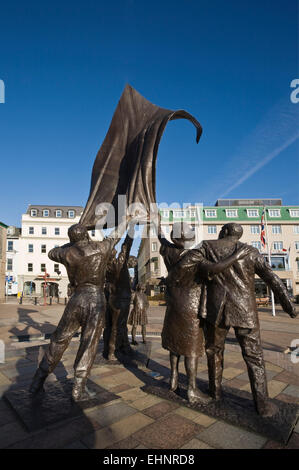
{"x":41,"y":270}
{"x":294,"y":212}
{"x":58,"y":211}
{"x":45,"y":230}
{"x":212,"y":229}
{"x":30,"y":245}
{"x":164,"y":213}
{"x":211,"y":213}
{"x":46,"y":213}
{"x":181,"y":213}
{"x":235,"y":211}
{"x":275,"y":231}
{"x":69,"y":214}
{"x":10,"y":261}
{"x":33,"y":213}
{"x":154,"y":246}
{"x":297,"y":245}
{"x":10,"y":245}
{"x":296,"y":229}
{"x":57,"y":229}
{"x":29,"y":231}
{"x":30,"y":270}
{"x":250,"y":211}
{"x":41,"y":249}
{"x":278,"y":246}
{"x":257,"y":245}
{"x":255,"y":229}
{"x":274,"y":213}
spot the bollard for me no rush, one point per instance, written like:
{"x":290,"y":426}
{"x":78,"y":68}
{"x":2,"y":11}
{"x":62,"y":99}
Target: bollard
{"x":51,"y":300}
{"x":35,"y":300}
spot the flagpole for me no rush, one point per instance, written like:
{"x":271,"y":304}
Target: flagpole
{"x":269,"y":257}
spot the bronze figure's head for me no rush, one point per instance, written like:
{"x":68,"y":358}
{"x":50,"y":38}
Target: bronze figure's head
{"x":77,"y":233}
{"x":232,"y":230}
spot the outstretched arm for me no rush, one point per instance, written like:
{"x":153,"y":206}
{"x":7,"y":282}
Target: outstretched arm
{"x":127,"y":244}
{"x":159,"y":232}
{"x":115,"y":236}
{"x":263,"y":269}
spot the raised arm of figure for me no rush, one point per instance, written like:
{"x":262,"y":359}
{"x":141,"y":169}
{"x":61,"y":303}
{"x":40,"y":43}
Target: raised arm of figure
{"x":264,"y":270}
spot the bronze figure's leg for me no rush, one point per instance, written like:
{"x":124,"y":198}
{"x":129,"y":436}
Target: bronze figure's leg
{"x":194,"y":394}
{"x":215,"y":341}
{"x":143,"y":333}
{"x":60,"y":340}
{"x":134,"y":328}
{"x":113,"y":333}
{"x":122,"y":340}
{"x":250,"y":342}
{"x":174,"y":368}
{"x":92,"y":326}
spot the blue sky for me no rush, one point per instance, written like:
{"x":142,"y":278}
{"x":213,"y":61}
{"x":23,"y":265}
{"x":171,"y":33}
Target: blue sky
{"x":229,"y":63}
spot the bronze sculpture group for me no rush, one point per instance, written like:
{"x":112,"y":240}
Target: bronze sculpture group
{"x":208,"y":289}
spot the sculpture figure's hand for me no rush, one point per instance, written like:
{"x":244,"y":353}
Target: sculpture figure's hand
{"x":292,"y":312}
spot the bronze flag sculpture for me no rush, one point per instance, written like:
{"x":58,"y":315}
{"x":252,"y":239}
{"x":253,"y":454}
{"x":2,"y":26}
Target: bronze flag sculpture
{"x":126,"y":162}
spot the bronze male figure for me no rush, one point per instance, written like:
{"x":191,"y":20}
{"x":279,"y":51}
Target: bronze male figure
{"x":138,"y":315}
{"x":86,"y":262}
{"x":231,"y":303}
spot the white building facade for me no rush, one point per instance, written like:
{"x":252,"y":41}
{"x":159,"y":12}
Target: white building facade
{"x":13,"y":258}
{"x":43,"y":228}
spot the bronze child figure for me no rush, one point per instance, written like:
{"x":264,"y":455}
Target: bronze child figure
{"x":138,"y":315}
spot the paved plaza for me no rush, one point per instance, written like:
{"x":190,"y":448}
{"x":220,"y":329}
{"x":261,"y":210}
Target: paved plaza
{"x":137,"y":419}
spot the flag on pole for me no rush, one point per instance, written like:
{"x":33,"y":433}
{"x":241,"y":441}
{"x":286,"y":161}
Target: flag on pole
{"x":263,"y":234}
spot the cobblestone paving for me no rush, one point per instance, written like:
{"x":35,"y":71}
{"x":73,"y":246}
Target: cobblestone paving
{"x":136,"y":419}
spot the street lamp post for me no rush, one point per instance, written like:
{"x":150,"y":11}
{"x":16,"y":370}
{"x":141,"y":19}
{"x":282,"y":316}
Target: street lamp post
{"x":45,"y":286}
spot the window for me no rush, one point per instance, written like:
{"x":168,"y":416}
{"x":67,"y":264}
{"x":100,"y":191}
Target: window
{"x":255,"y":229}
{"x":154,"y":246}
{"x":276,"y":229}
{"x":58,"y":213}
{"x":93,"y":233}
{"x":30,"y":248}
{"x":164,"y":213}
{"x":9,"y":264}
{"x":9,"y":245}
{"x":71,"y":214}
{"x":56,"y":268}
{"x":297,"y":245}
{"x":210,"y":213}
{"x":296,"y":228}
{"x":43,"y":268}
{"x":33,"y":212}
{"x":193,"y":213}
{"x":277,"y":246}
{"x":179,"y":214}
{"x":30,"y":267}
{"x":274,"y":212}
{"x":212,"y":229}
{"x":231,"y":213}
{"x":257,"y":245}
{"x":46,"y":213}
{"x":31,"y":230}
{"x":294,"y":212}
{"x":44,"y":249}
{"x":57,"y":231}
{"x":278,"y":262}
{"x":44,"y":230}
{"x":252,"y":213}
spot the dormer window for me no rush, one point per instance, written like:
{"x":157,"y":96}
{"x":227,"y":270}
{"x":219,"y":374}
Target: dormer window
{"x":252,"y":213}
{"x":294,"y":212}
{"x":231,"y":213}
{"x":58,"y":213}
{"x":33,"y":212}
{"x":210,"y":213}
{"x":46,"y":212}
{"x":274,"y":212}
{"x":71,"y":214}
